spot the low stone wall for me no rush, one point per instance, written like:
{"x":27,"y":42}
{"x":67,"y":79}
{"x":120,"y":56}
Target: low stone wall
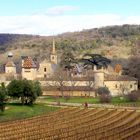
{"x":70,"y":93}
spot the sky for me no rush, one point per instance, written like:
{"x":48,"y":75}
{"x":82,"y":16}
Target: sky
{"x":52,"y":17}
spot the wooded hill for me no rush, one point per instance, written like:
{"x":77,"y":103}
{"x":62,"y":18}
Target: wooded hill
{"x":114,"y":41}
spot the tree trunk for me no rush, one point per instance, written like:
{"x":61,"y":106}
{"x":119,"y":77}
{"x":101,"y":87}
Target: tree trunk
{"x":22,"y":100}
{"x":62,"y":93}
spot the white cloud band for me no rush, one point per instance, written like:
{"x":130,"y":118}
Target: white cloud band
{"x":49,"y":25}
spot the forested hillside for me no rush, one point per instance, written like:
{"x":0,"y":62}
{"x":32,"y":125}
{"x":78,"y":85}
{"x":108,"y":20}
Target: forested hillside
{"x":106,"y":38}
{"x":121,"y":44}
{"x":115,"y":41}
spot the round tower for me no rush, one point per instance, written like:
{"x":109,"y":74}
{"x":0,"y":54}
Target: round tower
{"x":99,"y":78}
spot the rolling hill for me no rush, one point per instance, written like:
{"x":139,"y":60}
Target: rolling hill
{"x":114,"y":41}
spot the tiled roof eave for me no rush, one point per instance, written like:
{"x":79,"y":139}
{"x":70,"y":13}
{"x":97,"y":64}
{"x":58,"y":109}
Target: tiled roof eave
{"x":30,"y":67}
{"x":122,"y":80}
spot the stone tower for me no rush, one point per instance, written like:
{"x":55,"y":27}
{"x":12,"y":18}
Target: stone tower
{"x":53,"y":53}
{"x":99,"y":78}
{"x":10,"y":67}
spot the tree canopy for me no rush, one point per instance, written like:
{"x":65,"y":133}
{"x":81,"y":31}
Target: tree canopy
{"x":3,"y":97}
{"x":27,"y":91}
{"x":95,"y":59}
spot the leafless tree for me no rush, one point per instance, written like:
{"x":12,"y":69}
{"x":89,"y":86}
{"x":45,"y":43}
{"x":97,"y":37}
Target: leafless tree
{"x":90,"y":81}
{"x":134,"y":67}
{"x":123,"y":88}
{"x":72,"y":83}
{"x":60,"y":78}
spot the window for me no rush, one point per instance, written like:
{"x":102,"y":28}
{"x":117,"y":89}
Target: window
{"x":116,"y":86}
{"x":45,"y":69}
{"x":45,"y":75}
{"x":131,"y":86}
{"x":27,"y":71}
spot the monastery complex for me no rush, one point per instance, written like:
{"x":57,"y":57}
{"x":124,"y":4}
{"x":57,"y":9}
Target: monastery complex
{"x":43,"y":72}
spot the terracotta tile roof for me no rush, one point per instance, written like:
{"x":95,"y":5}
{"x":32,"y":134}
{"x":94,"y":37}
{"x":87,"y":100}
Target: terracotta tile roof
{"x":29,"y":63}
{"x":119,"y":78}
{"x":10,"y":64}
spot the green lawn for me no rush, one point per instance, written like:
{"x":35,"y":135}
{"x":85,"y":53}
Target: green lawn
{"x":91,"y":100}
{"x":18,"y":111}
{"x":71,"y":100}
{"x":120,"y":100}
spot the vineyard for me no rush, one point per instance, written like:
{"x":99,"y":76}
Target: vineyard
{"x":75,"y":124}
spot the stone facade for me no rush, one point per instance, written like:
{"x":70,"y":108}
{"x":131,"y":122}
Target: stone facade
{"x":117,"y":84}
{"x":10,"y":67}
{"x":46,"y":68}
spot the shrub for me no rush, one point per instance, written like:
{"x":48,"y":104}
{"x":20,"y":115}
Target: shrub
{"x":105,"y":98}
{"x":104,"y":95}
{"x":103,"y":90}
{"x":67,"y":97}
{"x":133,"y":96}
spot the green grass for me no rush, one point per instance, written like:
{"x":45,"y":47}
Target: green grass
{"x":117,"y":100}
{"x":18,"y":111}
{"x":71,"y":100}
{"x":91,"y":100}
{"x":120,"y":100}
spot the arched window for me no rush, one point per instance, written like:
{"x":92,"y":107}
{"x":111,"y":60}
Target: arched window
{"x":45,"y":69}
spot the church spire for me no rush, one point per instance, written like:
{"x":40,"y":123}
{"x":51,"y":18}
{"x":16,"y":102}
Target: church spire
{"x":53,"y":47}
{"x":53,"y":53}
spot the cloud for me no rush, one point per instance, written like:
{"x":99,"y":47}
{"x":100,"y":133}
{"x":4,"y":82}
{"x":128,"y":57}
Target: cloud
{"x":49,"y":25}
{"x":60,"y":10}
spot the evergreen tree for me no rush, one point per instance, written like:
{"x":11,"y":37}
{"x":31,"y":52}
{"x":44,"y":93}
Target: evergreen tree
{"x":3,"y":97}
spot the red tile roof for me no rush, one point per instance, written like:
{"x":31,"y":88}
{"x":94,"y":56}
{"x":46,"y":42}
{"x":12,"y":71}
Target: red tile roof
{"x":29,"y":63}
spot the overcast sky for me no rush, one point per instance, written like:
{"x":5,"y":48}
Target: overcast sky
{"x":51,"y":17}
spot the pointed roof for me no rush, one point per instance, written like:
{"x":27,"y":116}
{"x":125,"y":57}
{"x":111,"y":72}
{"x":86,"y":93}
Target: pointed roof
{"x":53,"y":47}
{"x":28,"y":62}
{"x":10,"y":64}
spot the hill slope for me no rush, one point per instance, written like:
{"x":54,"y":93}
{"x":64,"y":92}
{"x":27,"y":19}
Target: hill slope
{"x":115,"y":40}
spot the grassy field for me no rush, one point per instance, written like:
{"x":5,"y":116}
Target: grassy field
{"x":17,"y":111}
{"x":114,"y":100}
{"x":70,"y":100}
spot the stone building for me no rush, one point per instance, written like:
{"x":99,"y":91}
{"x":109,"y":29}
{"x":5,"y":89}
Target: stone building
{"x":117,"y":84}
{"x":29,"y":68}
{"x":46,"y":68}
{"x":10,"y":67}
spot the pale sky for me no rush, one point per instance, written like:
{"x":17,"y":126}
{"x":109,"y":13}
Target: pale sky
{"x":50,"y":17}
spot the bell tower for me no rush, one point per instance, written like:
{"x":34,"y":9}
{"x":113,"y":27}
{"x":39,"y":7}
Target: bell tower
{"x":53,"y":55}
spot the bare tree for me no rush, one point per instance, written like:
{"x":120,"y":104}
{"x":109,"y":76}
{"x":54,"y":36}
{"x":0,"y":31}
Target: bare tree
{"x":133,"y":67}
{"x":72,"y":83}
{"x":90,"y":82}
{"x":60,"y":78}
{"x":123,"y":88}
